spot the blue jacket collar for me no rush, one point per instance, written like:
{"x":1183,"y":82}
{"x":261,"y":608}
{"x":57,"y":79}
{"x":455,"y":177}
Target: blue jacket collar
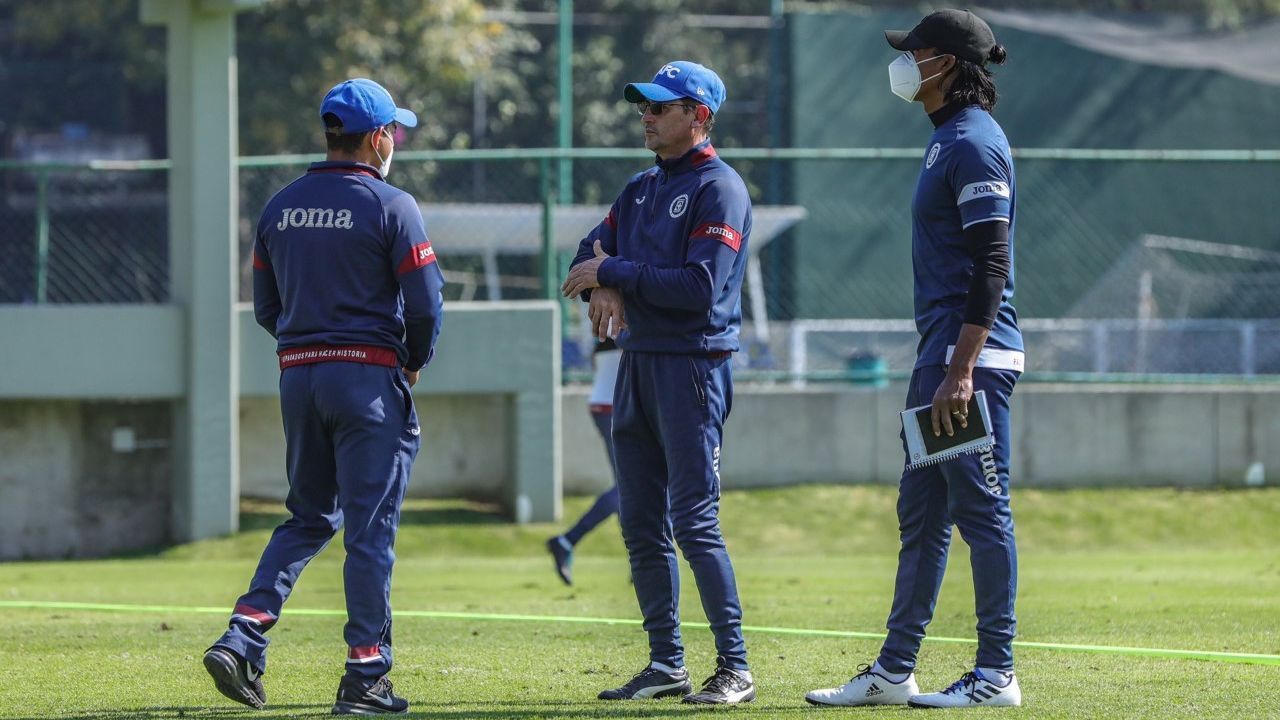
{"x":347,"y":167}
{"x":696,"y":156}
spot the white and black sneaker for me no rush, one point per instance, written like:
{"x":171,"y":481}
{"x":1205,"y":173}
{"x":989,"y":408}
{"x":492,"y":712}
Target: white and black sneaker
{"x":974,"y":690}
{"x":235,"y":677}
{"x":868,"y":687}
{"x":651,"y":683}
{"x":726,"y":687}
{"x":357,"y":698}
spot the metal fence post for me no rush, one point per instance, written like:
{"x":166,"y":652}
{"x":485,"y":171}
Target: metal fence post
{"x":42,"y":235}
{"x":548,"y":229}
{"x":1248,"y":349}
{"x":564,"y":124}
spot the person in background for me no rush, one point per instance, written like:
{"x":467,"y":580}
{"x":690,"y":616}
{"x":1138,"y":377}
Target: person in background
{"x":600,"y":403}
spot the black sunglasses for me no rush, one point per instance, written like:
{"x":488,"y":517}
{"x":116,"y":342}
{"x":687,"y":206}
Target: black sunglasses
{"x":657,"y":108}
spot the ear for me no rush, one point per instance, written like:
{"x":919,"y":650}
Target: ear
{"x":700,"y":114}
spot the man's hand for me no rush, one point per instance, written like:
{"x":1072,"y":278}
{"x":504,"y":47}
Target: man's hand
{"x":583,"y":275}
{"x":606,"y":312}
{"x":411,"y":376}
{"x":951,"y":402}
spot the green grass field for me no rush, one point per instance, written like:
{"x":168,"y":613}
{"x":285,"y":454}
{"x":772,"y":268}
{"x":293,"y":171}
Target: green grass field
{"x":1137,"y":568}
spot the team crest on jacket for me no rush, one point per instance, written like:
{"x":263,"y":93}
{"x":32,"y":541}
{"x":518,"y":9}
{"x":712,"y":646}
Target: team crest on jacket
{"x":678,"y":206}
{"x":933,"y":155}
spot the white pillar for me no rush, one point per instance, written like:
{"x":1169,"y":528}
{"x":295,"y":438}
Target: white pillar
{"x":203,"y":257}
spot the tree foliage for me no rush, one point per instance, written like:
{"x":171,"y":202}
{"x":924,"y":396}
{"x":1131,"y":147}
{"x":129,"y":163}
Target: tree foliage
{"x":81,"y":61}
{"x":427,"y":53}
{"x":1213,"y":14}
{"x":474,"y":80}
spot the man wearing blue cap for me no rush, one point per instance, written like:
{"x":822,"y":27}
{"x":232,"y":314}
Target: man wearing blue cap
{"x":665,"y":268}
{"x":347,"y":282}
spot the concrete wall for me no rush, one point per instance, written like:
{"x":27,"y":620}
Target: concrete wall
{"x":97,"y":497}
{"x":497,"y":369}
{"x":64,"y":490}
{"x":95,"y":423}
{"x":466,"y":449}
{"x":1063,"y":435}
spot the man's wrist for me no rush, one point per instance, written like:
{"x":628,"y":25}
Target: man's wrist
{"x":615,"y":273}
{"x":603,"y":276}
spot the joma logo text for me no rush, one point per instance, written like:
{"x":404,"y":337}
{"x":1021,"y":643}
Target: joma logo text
{"x":989,"y":474}
{"x":314,"y":217}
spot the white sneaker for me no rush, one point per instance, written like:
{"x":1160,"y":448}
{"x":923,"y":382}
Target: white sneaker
{"x":868,"y":687}
{"x":972,"y":690}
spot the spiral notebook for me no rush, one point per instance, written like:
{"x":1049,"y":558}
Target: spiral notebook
{"x":924,"y":448}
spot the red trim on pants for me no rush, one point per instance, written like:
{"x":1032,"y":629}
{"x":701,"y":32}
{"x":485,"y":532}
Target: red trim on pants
{"x":364,"y":654}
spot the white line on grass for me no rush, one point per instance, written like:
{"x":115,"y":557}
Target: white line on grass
{"x":1210,"y":655}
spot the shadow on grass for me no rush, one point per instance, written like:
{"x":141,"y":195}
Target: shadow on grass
{"x":490,"y":710}
{"x":267,"y":514}
{"x":158,"y":712}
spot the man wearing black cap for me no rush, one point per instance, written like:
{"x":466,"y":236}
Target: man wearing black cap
{"x":345,"y":279}
{"x":665,"y":267}
{"x":962,"y":258}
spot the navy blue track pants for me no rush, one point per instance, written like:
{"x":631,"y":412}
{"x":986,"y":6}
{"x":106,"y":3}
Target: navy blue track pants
{"x":973,"y":493}
{"x":668,"y":420}
{"x":351,"y":436}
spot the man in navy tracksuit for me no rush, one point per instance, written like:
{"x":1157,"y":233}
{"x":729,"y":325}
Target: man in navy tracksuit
{"x":963,"y":217}
{"x":665,"y":267}
{"x":346,"y":280}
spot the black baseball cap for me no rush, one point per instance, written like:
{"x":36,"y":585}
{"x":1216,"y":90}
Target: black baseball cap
{"x":957,"y":32}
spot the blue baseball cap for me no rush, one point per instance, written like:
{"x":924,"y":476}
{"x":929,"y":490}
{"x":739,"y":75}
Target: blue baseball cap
{"x":679,"y":79}
{"x":362,"y":105}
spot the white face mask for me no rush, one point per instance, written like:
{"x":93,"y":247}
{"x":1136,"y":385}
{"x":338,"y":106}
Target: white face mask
{"x":904,"y":76}
{"x":384,"y":165}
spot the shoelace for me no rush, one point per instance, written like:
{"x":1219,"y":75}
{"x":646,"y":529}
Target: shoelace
{"x":862,"y":670}
{"x":382,"y":688}
{"x":721,"y":682}
{"x":968,"y":678}
{"x":641,"y":679}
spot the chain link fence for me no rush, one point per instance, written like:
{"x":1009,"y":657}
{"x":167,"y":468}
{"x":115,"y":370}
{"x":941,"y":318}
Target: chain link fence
{"x":91,"y":234}
{"x":1139,"y":262}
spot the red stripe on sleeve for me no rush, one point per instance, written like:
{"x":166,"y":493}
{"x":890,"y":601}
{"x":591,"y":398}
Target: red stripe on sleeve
{"x":610,"y":221}
{"x":258,"y":263}
{"x":721,"y":232}
{"x":419,"y":256}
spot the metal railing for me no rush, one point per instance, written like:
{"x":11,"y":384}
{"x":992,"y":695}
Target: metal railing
{"x":67,"y":226}
{"x":1057,"y":348}
{"x":42,"y":174}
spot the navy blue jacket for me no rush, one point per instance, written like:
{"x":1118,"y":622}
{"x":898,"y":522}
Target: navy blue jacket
{"x":678,"y":236}
{"x":342,"y":258}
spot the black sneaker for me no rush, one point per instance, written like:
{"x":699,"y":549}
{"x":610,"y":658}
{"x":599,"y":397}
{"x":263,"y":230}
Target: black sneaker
{"x":726,"y":687}
{"x":357,"y":698}
{"x":562,"y":552}
{"x":235,"y":677}
{"x":651,"y":683}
